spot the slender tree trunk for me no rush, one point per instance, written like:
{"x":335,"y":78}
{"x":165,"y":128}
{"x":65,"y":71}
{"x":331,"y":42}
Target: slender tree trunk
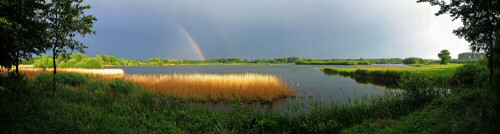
{"x":17,"y":65}
{"x":54,"y":64}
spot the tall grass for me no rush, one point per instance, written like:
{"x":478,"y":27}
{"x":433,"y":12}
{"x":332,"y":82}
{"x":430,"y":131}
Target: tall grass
{"x":216,"y":87}
{"x":31,"y":73}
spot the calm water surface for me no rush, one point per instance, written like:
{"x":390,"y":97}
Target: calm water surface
{"x":306,"y":80}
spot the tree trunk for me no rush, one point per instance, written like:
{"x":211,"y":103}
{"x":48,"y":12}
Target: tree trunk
{"x":17,"y":65}
{"x":54,"y":64}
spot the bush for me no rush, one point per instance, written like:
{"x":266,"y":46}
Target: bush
{"x":44,"y":62}
{"x":120,"y":86}
{"x":413,"y":60}
{"x":470,"y":75}
{"x":419,"y":88}
{"x":88,"y":63}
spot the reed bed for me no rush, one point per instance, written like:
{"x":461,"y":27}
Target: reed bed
{"x":33,"y":72}
{"x":216,"y":87}
{"x":196,"y":87}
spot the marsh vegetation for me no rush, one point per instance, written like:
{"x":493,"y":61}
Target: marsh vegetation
{"x":118,"y":105}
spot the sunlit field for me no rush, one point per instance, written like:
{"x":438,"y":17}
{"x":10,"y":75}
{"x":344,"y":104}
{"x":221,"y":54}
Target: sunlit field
{"x":196,"y":87}
{"x":429,"y":69}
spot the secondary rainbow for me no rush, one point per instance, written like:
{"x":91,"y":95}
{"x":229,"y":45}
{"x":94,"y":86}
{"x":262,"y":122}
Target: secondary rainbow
{"x":224,"y":35}
{"x":193,"y":42}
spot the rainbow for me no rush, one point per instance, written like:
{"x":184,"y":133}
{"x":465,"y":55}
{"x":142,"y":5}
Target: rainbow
{"x":193,"y":42}
{"x":224,"y":35}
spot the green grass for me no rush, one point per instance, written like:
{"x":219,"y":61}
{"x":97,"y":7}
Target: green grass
{"x":432,"y":70}
{"x":471,"y":111}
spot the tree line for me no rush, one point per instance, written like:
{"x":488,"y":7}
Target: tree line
{"x":99,"y":61}
{"x":470,"y":55}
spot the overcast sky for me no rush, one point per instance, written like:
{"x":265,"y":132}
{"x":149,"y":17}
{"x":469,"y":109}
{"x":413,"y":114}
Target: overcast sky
{"x":142,"y":29}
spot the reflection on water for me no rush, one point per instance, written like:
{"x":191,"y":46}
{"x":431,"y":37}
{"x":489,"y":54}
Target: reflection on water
{"x":310,"y":84}
{"x":382,"y":83}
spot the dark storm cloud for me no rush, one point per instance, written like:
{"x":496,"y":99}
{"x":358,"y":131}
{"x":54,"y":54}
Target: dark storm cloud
{"x":270,"y":28}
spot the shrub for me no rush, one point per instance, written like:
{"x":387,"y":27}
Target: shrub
{"x":44,"y":62}
{"x":413,"y":60}
{"x":470,"y":75}
{"x":419,"y":88}
{"x":89,"y":63}
{"x":120,"y":86}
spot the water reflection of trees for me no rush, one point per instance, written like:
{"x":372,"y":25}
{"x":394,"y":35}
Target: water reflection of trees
{"x":386,"y":83}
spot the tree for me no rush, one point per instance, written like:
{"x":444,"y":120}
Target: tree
{"x":413,"y":60}
{"x":445,"y":57}
{"x":66,"y":19}
{"x":23,"y":31}
{"x":480,"y":19}
{"x":293,"y":59}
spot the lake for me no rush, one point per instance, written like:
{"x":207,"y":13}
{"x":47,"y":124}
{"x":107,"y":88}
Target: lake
{"x":309,"y":83}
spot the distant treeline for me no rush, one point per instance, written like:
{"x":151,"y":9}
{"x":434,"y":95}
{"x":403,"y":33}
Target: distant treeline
{"x":99,"y":61}
{"x":469,"y":55}
{"x":82,"y":61}
{"x":415,"y":60}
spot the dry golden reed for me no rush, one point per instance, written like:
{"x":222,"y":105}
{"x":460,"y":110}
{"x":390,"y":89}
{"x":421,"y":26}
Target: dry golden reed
{"x":197,"y":87}
{"x":216,"y":87}
{"x":33,"y":72}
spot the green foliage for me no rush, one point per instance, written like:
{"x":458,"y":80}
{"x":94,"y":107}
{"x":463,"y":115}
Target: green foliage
{"x":30,"y":61}
{"x":445,"y":57}
{"x":419,"y":88}
{"x":470,"y":55}
{"x":470,"y":75}
{"x":380,"y":74}
{"x":43,"y":62}
{"x":479,"y":19}
{"x":471,"y":111}
{"x":88,"y":63}
{"x":80,"y":61}
{"x":413,"y":60}
{"x":22,"y":31}
{"x":124,"y":87}
{"x":70,"y":79}
{"x":332,"y":62}
{"x":96,"y":86}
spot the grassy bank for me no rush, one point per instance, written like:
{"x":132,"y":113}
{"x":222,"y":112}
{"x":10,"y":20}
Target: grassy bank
{"x":470,"y":111}
{"x":91,"y":106}
{"x":388,"y":72}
